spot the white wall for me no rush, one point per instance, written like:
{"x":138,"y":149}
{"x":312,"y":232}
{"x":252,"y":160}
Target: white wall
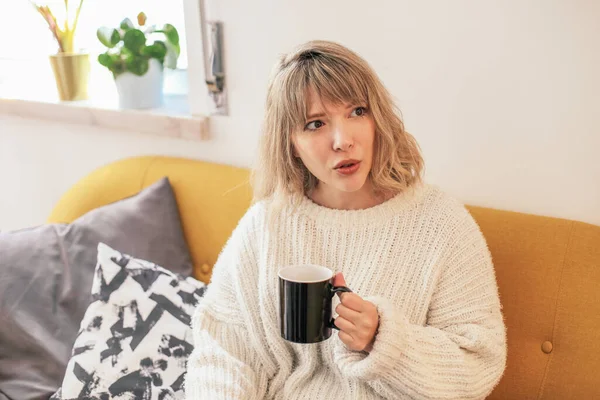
{"x":504,"y":98}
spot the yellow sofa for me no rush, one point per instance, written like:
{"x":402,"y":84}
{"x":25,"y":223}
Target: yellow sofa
{"x":548,"y":269}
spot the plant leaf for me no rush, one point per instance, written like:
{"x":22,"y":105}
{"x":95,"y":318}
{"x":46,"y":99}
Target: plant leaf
{"x":138,"y":65}
{"x":171,"y":33}
{"x":156,"y":50}
{"x":134,"y":40}
{"x":126,"y":24}
{"x":113,"y":62}
{"x":108,"y":36}
{"x":173,"y":48}
{"x":106,"y":60}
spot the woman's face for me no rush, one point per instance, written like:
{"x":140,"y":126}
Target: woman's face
{"x":336,"y":145}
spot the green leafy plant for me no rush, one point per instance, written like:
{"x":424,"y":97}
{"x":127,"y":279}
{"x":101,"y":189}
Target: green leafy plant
{"x":128,"y":47}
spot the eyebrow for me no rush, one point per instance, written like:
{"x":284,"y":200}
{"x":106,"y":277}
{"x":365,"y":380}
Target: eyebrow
{"x":318,"y":115}
{"x":322,"y":114}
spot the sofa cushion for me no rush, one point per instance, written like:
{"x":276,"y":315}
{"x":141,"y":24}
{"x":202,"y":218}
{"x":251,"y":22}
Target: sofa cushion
{"x":46,"y":274}
{"x":135,"y":337}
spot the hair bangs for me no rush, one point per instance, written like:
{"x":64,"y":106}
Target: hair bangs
{"x":293,"y":101}
{"x":336,"y":82}
{"x":332,"y":81}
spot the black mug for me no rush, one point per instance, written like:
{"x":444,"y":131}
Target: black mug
{"x":305,"y":303}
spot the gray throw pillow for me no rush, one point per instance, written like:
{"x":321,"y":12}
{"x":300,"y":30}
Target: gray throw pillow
{"x":46,"y":275}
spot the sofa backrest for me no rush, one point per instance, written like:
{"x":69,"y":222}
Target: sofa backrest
{"x":211,"y":198}
{"x":548,"y":269}
{"x":548,"y":272}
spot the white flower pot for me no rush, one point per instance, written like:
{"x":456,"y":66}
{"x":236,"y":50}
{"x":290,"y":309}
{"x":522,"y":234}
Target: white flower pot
{"x":141,"y":92}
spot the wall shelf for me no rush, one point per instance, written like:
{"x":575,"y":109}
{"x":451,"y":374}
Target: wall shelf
{"x":172,"y":120}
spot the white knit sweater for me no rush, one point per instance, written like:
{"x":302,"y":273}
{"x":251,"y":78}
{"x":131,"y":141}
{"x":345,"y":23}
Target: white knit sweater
{"x":419,"y":257}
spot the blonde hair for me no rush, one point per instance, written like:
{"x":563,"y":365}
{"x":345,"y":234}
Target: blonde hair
{"x":340,"y":76}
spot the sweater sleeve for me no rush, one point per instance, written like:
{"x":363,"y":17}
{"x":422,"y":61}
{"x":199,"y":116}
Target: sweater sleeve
{"x":227,"y":360}
{"x":461,"y":351}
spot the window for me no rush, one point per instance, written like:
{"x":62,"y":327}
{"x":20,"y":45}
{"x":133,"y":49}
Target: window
{"x":26,"y":42}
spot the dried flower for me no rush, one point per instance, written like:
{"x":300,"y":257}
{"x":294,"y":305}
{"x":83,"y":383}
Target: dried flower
{"x":64,"y":35}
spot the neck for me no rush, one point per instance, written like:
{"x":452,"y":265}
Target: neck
{"x":339,"y":200}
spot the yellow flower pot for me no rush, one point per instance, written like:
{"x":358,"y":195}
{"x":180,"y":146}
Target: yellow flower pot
{"x":71,"y":72}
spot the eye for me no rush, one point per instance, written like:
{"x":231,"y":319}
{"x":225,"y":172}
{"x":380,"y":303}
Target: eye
{"x":314,"y":125}
{"x":359,"y":111}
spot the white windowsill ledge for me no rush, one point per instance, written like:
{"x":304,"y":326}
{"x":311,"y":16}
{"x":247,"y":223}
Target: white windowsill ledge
{"x":172,"y":120}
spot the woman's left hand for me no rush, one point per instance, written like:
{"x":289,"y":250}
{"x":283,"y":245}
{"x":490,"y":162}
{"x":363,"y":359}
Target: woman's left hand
{"x":357,"y":319}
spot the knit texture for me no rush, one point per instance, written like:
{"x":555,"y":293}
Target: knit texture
{"x":419,"y":257}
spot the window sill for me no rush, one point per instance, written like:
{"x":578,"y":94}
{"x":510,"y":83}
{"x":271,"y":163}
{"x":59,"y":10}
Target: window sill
{"x":172,"y":120}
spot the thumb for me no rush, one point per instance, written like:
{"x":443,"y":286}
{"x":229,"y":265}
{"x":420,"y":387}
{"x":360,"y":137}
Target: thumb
{"x":338,"y":280}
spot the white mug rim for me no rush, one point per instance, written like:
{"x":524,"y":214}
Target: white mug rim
{"x":316,"y":266}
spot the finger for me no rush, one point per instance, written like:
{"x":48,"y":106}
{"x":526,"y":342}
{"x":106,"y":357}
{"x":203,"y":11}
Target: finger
{"x":338,"y":280}
{"x":347,"y":313}
{"x":344,"y":325}
{"x":346,"y":338}
{"x":352,"y":301}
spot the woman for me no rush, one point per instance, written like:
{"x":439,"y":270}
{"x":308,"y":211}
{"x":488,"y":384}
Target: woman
{"x":339,"y":184}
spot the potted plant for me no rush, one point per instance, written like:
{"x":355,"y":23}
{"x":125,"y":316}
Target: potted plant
{"x":71,"y":68}
{"x":136,"y":57}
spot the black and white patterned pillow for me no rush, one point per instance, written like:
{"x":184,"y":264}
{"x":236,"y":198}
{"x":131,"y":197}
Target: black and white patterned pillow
{"x":135,"y":337}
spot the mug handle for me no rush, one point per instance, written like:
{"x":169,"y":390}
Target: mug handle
{"x":334,"y":290}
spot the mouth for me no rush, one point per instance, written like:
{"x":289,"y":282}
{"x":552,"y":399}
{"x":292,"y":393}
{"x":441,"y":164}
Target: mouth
{"x":346,"y":164}
{"x":347,"y":167}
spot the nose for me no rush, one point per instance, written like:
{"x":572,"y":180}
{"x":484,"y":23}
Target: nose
{"x":343,"y":139}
